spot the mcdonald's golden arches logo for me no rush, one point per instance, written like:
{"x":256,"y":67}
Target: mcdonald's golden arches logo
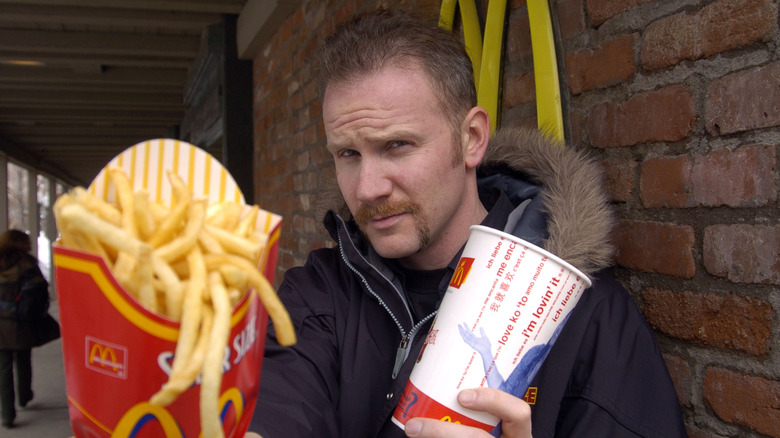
{"x":461,"y":272}
{"x":106,"y":358}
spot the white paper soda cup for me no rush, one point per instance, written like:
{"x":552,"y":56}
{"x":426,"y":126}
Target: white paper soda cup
{"x":500,"y":315}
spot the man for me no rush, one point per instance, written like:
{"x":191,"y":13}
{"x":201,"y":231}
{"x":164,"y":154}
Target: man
{"x":415,"y":171}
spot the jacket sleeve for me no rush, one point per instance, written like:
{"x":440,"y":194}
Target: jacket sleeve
{"x":618,"y":384}
{"x":298,"y":384}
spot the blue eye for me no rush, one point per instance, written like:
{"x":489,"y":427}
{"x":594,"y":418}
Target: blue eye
{"x":347,"y":153}
{"x":397,"y":143}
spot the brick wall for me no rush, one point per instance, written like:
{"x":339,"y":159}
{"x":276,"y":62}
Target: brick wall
{"x":680,"y":100}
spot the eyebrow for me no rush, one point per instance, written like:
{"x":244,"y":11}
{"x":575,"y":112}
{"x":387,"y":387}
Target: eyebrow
{"x":379,"y":137}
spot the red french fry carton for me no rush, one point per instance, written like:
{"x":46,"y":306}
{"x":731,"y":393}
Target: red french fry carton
{"x":117,"y":353}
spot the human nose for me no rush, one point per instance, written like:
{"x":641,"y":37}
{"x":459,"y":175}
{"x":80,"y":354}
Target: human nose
{"x":373,"y":181}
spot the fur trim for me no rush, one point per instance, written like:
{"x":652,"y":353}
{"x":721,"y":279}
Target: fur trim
{"x":580,"y":220}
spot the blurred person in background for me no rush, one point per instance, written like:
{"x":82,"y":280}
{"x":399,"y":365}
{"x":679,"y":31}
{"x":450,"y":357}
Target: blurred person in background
{"x":24,"y":303}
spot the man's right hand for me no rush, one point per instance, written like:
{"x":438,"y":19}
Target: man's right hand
{"x":514,"y":413}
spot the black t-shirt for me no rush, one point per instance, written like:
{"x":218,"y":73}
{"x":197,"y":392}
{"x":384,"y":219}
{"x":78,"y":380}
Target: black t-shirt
{"x":424,"y":289}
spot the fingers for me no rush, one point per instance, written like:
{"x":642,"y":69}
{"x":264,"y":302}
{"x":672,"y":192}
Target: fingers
{"x":515,"y":414}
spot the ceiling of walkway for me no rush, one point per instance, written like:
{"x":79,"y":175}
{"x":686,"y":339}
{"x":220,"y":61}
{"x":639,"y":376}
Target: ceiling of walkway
{"x":82,"y":80}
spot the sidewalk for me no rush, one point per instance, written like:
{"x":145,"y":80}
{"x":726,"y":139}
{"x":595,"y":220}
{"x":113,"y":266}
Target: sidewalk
{"x":46,"y":416}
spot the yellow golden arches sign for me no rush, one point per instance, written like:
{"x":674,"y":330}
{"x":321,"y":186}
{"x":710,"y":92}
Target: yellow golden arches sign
{"x":548,"y":92}
{"x":486,"y":58}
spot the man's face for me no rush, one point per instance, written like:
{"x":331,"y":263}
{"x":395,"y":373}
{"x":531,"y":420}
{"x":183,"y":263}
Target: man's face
{"x":393,"y":149}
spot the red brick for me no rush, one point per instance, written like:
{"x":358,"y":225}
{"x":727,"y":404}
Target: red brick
{"x":745,"y":100}
{"x":518,"y":38}
{"x":315,"y":110}
{"x":576,"y":123}
{"x":309,"y":135}
{"x":302,"y":161}
{"x":743,"y":253}
{"x":571,"y":17}
{"x":665,"y":182}
{"x":716,"y":28}
{"x":600,"y":11}
{"x":619,"y":179}
{"x":680,"y":371}
{"x":343,"y":12}
{"x":427,"y":9}
{"x":740,"y":178}
{"x":519,"y":89}
{"x":310,"y":92}
{"x":656,"y":247}
{"x":320,"y":155}
{"x":722,"y":321}
{"x":609,"y":64}
{"x":745,"y":400}
{"x":744,"y":177}
{"x":667,"y":114}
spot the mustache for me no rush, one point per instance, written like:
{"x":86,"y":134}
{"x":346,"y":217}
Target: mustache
{"x":366,"y":213}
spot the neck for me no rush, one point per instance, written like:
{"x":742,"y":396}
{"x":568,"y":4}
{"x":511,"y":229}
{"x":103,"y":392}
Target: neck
{"x":439,"y":255}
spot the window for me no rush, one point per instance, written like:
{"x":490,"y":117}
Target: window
{"x":18,"y":198}
{"x":28,"y":203}
{"x":45,"y":227}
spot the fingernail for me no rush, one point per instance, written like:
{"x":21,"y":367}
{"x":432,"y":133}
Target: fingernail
{"x":467,"y":396}
{"x":413,"y":427}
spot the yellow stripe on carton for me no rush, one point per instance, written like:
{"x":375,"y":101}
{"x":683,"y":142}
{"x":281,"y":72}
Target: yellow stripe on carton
{"x":132,"y":312}
{"x":147,"y":163}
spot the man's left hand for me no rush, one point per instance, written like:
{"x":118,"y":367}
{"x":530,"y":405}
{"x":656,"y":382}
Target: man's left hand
{"x":514,"y":413}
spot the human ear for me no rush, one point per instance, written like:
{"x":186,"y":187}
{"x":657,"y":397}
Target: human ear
{"x":475,"y":135}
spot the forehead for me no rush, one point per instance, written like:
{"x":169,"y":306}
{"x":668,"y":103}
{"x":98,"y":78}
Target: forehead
{"x":391,"y":94}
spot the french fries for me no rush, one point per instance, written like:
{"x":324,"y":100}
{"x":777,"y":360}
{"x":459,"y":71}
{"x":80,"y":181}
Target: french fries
{"x":190,"y":262}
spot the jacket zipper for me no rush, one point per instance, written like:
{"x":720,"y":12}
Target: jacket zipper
{"x":403,"y":349}
{"x":402,"y":352}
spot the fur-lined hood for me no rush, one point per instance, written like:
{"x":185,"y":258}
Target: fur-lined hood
{"x":579,"y":220}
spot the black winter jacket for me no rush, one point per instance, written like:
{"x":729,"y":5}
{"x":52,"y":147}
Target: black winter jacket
{"x":22,"y":277}
{"x":604,"y":377}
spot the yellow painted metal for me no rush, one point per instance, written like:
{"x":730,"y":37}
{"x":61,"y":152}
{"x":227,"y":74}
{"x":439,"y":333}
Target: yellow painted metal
{"x":490,"y":68}
{"x":548,"y":93}
{"x":472,"y":33}
{"x":485,"y":56}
